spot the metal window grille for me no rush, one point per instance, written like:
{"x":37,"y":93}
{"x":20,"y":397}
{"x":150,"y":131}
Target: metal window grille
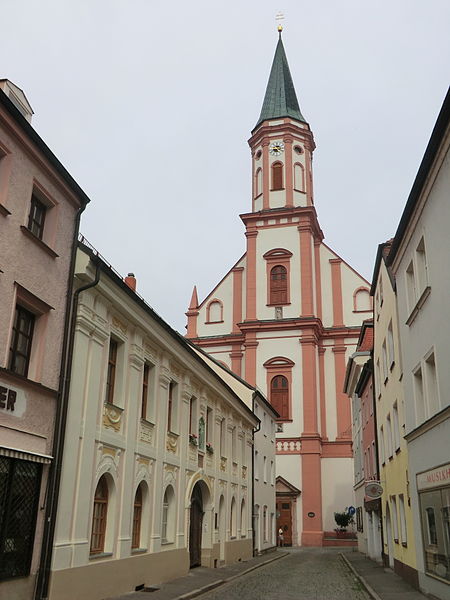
{"x":19,"y":494}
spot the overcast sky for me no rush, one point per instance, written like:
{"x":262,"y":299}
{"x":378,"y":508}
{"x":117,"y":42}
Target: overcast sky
{"x":149,"y":106}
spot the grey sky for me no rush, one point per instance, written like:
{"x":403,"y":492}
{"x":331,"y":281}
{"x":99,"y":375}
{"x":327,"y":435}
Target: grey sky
{"x":149,"y":106}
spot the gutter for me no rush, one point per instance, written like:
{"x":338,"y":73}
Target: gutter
{"x":54,"y":480}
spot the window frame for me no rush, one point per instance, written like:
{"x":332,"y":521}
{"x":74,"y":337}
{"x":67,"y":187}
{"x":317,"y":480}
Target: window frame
{"x":137,"y":519}
{"x":277,"y":176}
{"x":37,"y":209}
{"x":111,"y":370}
{"x":102,"y":519}
{"x":21,"y":312}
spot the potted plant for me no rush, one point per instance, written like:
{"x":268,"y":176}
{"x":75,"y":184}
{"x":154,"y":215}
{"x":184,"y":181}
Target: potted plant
{"x":193,"y":439}
{"x":209,"y":448}
{"x":343,"y":519}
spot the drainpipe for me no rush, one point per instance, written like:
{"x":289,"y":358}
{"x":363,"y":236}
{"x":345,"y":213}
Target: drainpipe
{"x":43,"y":579}
{"x":253,"y":476}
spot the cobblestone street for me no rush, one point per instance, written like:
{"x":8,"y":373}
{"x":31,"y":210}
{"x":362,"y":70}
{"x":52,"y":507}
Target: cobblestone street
{"x":312,"y":574}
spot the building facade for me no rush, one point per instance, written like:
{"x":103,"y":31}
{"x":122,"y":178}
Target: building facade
{"x":157,"y":469}
{"x":288,"y":313}
{"x":359,"y":387}
{"x":418,"y":260}
{"x":40,"y":207}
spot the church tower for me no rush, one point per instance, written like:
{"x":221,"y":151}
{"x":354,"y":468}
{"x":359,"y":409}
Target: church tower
{"x":286,"y":317}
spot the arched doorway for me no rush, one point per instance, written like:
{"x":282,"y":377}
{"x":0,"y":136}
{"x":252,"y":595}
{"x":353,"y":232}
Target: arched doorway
{"x":195,"y":527}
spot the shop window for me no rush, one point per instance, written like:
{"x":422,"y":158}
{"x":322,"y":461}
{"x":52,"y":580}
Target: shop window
{"x":20,"y":482}
{"x":99,"y":517}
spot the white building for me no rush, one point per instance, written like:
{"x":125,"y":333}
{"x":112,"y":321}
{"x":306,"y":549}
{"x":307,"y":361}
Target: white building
{"x":419,"y":259}
{"x":157,"y":468}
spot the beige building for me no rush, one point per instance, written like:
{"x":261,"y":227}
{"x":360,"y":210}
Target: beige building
{"x":40,"y":207}
{"x":157,"y":468}
{"x":398,"y":530}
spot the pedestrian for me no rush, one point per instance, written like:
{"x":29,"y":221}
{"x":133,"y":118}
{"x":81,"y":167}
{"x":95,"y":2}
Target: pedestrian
{"x":280,"y":537}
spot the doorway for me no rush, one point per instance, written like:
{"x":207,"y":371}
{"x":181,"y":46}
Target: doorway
{"x":390,"y":542}
{"x":284,"y":519}
{"x":195,"y":527}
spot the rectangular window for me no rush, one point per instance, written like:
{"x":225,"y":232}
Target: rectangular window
{"x":272,"y":473}
{"x":193,"y":416}
{"x":36,"y":218}
{"x":403,"y":533}
{"x":421,"y":414}
{"x":374,"y":459}
{"x":165,"y":514}
{"x":265,"y":469}
{"x":223,"y":447}
{"x":396,"y":427}
{"x":243,"y":454}
{"x":111,"y":371}
{"x":20,"y":482}
{"x":256,"y":464}
{"x":382,"y":451}
{"x":385,"y":362}
{"x":394,"y":517}
{"x":21,"y":339}
{"x":421,"y":262}
{"x":378,"y":379}
{"x":411,"y":287}
{"x":144,"y":392}
{"x":433,"y":403}
{"x":234,"y":445}
{"x":389,"y":436}
{"x":209,"y":426}
{"x":171,"y":406}
{"x":390,"y":345}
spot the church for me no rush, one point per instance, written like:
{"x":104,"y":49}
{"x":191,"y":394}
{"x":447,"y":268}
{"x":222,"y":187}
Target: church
{"x":287,"y":316}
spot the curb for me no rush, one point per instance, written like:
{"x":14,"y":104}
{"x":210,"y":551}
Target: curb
{"x":219,"y":582}
{"x":372,"y":593}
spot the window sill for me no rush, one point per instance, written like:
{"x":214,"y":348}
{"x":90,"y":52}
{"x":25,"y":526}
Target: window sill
{"x":365,"y":310}
{"x":279,"y":304}
{"x":100,"y":555}
{"x":38,"y":241}
{"x":147,"y":422}
{"x":277,"y":189}
{"x":213,"y":322}
{"x":138,"y":550}
{"x":4,"y":211}
{"x":397,"y":450}
{"x":420,"y":302}
{"x":392,"y":365}
{"x":404,"y":544}
{"x":396,"y":540}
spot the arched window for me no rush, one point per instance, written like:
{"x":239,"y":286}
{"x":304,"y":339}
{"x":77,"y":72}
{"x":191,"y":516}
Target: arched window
{"x":279,"y":395}
{"x":278,"y":285}
{"x":214,"y":311}
{"x":299,"y":177}
{"x":168,"y":516}
{"x":265,"y":524}
{"x":233,"y":520}
{"x":361,"y":300}
{"x":137,"y":516}
{"x":277,"y":176}
{"x":243,"y":519}
{"x":99,"y":516}
{"x":258,"y":182}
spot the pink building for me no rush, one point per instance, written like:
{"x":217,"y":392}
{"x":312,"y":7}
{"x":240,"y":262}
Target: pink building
{"x":286,"y":316}
{"x":40,"y":208}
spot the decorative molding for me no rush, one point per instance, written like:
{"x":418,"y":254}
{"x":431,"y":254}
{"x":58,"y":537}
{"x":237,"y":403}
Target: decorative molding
{"x":119,"y":325}
{"x":146,"y":432}
{"x":244,"y":472}
{"x":223,"y":464}
{"x":112,"y":416}
{"x":172,"y":442}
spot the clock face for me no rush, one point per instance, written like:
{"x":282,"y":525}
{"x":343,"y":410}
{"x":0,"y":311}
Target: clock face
{"x":276,"y":148}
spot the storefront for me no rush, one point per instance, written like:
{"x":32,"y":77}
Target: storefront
{"x":433,"y":488}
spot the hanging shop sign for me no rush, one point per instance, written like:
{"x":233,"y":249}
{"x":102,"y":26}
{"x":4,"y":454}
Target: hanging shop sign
{"x":373,"y":489}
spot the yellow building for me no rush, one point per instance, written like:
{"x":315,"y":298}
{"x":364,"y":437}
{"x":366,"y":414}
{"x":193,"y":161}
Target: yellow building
{"x":398,"y":530}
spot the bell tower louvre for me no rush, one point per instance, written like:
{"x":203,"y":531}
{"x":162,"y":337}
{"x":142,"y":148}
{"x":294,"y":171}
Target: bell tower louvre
{"x":287,"y":316}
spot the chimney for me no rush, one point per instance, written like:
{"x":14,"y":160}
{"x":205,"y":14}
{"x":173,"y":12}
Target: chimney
{"x":130,"y":280}
{"x":17,"y":97}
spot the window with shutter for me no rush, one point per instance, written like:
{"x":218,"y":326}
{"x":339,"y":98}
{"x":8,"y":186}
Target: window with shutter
{"x":279,"y":396}
{"x":278,"y":285}
{"x":277,"y":176}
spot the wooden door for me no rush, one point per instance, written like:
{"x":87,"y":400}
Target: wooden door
{"x":195,"y":528}
{"x":284,"y":519}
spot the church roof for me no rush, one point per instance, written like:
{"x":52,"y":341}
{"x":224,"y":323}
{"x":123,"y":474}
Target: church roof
{"x":280,"y":99}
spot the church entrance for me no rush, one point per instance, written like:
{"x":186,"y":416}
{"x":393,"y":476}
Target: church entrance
{"x":286,"y":503}
{"x":195,"y":527}
{"x":284,"y":519}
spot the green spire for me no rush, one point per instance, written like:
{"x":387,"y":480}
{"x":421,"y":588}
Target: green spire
{"x":280,"y":99}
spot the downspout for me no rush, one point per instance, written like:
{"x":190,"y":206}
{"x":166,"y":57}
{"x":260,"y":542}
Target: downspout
{"x":254,"y":430}
{"x":41,"y":592}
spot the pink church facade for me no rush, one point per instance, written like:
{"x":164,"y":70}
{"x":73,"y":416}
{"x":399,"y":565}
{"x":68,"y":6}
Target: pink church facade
{"x":287,"y":315}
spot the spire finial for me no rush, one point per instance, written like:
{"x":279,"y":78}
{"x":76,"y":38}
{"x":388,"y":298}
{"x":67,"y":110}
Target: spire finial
{"x":279,"y":17}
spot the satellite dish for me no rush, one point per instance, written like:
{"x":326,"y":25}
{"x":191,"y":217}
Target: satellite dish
{"x":373,"y":490}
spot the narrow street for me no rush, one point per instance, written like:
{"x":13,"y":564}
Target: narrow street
{"x":306,"y":574}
